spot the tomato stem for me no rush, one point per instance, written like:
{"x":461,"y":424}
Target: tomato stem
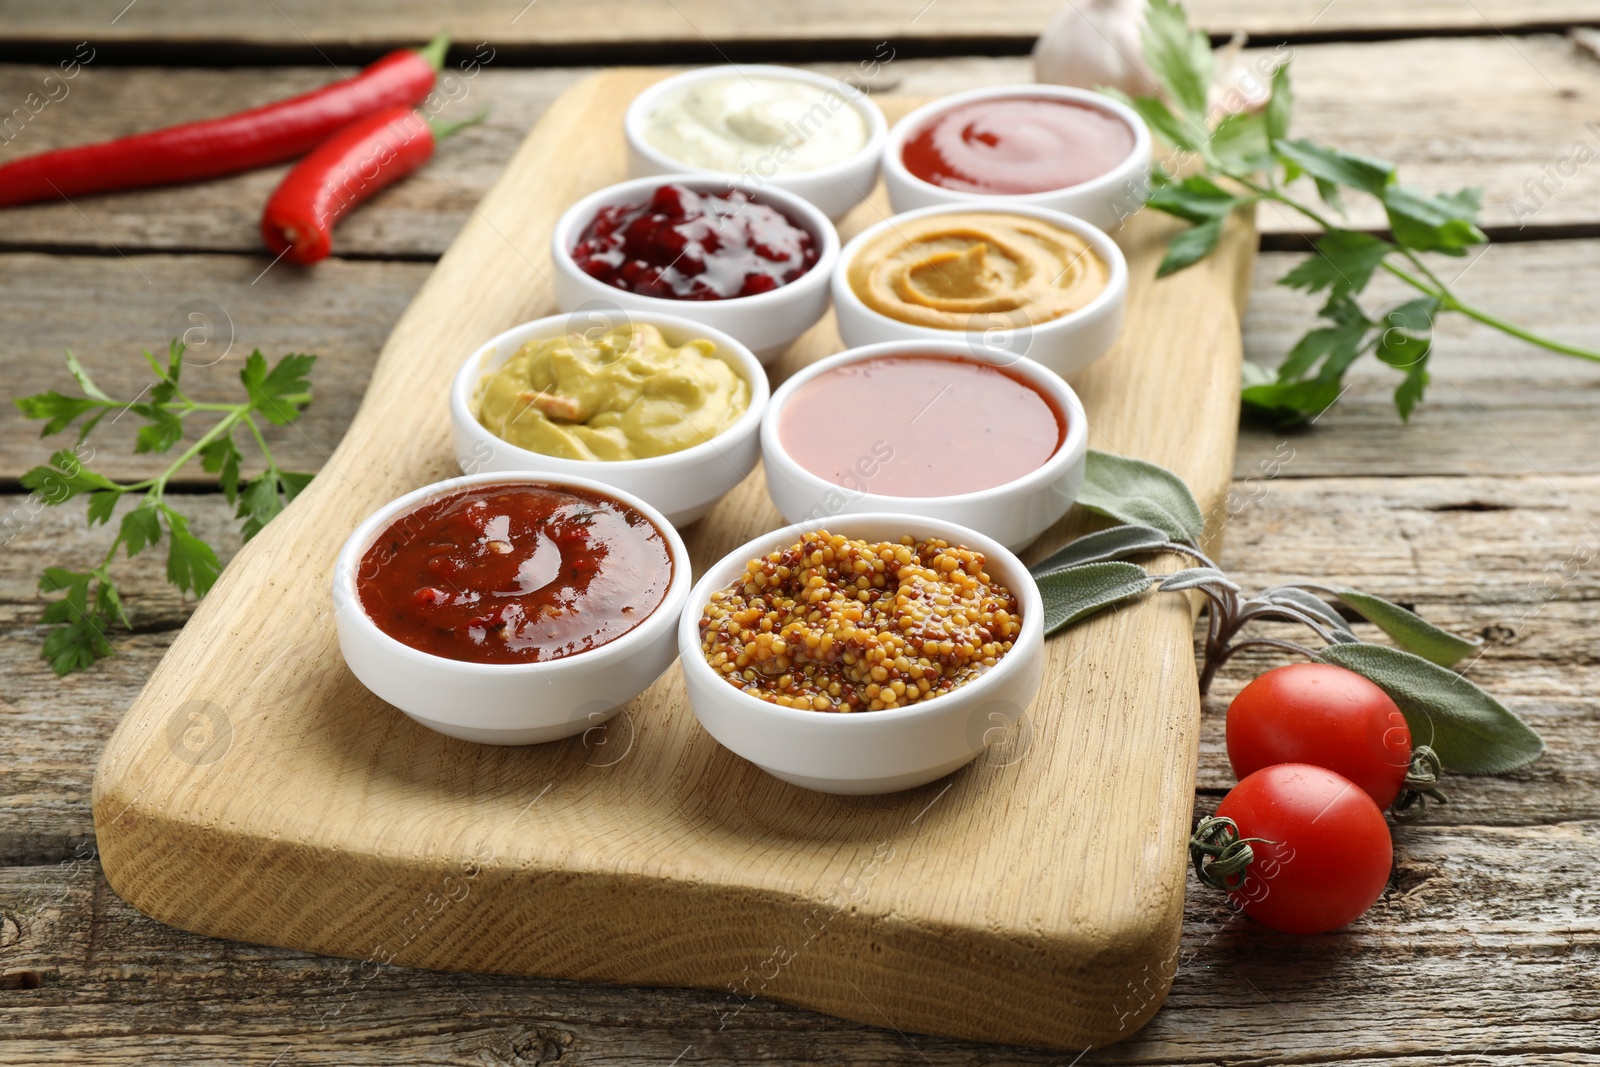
{"x":1420,"y":785}
{"x":1220,"y":856}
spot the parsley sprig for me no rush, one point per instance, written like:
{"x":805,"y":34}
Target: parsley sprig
{"x":91,"y":603}
{"x":1249,"y":158}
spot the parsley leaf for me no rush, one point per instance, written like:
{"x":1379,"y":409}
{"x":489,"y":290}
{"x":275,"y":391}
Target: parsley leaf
{"x":88,"y":603}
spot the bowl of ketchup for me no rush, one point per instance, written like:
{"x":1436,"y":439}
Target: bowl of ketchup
{"x":1051,"y":146}
{"x":510,"y":609}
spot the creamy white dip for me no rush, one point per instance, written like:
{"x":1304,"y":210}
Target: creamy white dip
{"x":762,"y":125}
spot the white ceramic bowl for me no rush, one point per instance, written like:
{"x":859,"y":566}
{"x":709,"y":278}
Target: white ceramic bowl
{"x":767,"y":322}
{"x":505,"y":703}
{"x":876,"y":751}
{"x":682,"y":485}
{"x":1013,"y":513}
{"x":1104,"y":201}
{"x":1065,"y":345}
{"x":835,"y":189}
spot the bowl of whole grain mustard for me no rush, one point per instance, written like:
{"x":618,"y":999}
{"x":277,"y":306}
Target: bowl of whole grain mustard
{"x":870,"y":654}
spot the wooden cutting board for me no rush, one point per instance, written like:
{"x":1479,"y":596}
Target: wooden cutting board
{"x":256,"y":791}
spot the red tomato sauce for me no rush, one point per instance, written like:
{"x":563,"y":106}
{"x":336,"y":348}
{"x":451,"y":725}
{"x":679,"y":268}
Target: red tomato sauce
{"x":919,"y":426}
{"x":1016,"y":146}
{"x":684,"y":245}
{"x":514,"y":574}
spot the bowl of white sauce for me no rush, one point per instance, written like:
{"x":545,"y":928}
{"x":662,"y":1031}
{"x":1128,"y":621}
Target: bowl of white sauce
{"x":808,"y":134}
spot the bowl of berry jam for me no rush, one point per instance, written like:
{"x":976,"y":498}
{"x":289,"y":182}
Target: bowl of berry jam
{"x":752,"y":262}
{"x":511,"y":609}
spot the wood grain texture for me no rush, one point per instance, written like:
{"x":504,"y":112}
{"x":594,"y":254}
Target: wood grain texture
{"x":1467,"y":911}
{"x":1512,"y":126}
{"x":326,"y":821}
{"x":554,"y":23}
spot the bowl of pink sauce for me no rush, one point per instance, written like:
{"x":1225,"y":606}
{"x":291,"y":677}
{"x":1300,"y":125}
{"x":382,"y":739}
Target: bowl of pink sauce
{"x":937,"y":428}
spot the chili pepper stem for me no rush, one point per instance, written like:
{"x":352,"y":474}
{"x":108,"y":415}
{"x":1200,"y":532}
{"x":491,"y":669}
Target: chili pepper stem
{"x":434,"y":51}
{"x":441,"y":130}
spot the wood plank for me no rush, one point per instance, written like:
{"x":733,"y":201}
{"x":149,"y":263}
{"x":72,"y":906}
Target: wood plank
{"x":106,"y":309}
{"x":266,"y":865}
{"x":1491,"y":111}
{"x":551,"y":25}
{"x":1420,"y":981}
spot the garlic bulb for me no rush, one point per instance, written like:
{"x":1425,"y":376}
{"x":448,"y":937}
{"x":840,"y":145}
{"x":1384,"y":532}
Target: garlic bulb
{"x":1095,"y":44}
{"x":1240,"y":86}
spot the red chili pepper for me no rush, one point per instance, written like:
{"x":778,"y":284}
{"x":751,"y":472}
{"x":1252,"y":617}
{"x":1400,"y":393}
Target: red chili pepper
{"x":344,"y":170}
{"x":214,"y":147}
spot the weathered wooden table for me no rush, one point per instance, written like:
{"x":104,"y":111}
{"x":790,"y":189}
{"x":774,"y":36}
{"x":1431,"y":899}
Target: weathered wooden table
{"x":1484,"y":512}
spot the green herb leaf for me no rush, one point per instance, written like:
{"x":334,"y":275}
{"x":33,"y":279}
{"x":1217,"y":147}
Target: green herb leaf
{"x":58,"y":411}
{"x":259,"y":503}
{"x":64,"y":478}
{"x":191,"y":564}
{"x":1180,"y":59}
{"x":1472,"y":732}
{"x":85,"y":383}
{"x":1190,"y":577}
{"x":1279,"y":105}
{"x":1190,"y":246}
{"x":1289,"y":403}
{"x":1194,"y":199}
{"x":1240,"y":141}
{"x":1339,"y":168}
{"x":1314,"y":606}
{"x":162,"y":431}
{"x":1115,"y":543}
{"x":76,"y":645}
{"x":1078,"y":592}
{"x":221,"y":457}
{"x":1409,"y":392}
{"x":1410,"y":631}
{"x":1432,"y":223}
{"x":293,"y":483}
{"x":1344,"y":263}
{"x":140,"y":527}
{"x":274,"y":393}
{"x":101,"y":504}
{"x":1177,"y":132}
{"x":1133,"y":491}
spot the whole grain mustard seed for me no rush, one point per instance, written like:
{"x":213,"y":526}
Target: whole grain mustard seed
{"x":832,"y":624}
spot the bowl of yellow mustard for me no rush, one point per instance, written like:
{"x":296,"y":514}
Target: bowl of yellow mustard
{"x":654,"y":405}
{"x":1012,"y":281}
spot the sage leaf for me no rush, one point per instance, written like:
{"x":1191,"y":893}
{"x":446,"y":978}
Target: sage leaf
{"x":1312,"y":605}
{"x":1115,"y":543}
{"x":1190,"y":577}
{"x":1133,"y":491}
{"x":1410,"y":631}
{"x":1078,"y":592}
{"x":1471,"y":731}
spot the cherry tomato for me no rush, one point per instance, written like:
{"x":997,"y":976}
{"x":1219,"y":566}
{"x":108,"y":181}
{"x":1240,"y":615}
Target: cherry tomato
{"x":1326,"y":853}
{"x":1323,"y":715}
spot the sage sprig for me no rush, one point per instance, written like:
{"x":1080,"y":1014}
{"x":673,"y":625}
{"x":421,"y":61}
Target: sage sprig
{"x":1248,"y":158}
{"x":1470,"y":731}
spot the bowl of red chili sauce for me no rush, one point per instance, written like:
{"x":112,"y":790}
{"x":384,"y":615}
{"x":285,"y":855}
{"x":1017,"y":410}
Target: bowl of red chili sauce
{"x":752,"y":262}
{"x":1052,"y":146}
{"x":510,"y":609}
{"x":935,"y":428}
